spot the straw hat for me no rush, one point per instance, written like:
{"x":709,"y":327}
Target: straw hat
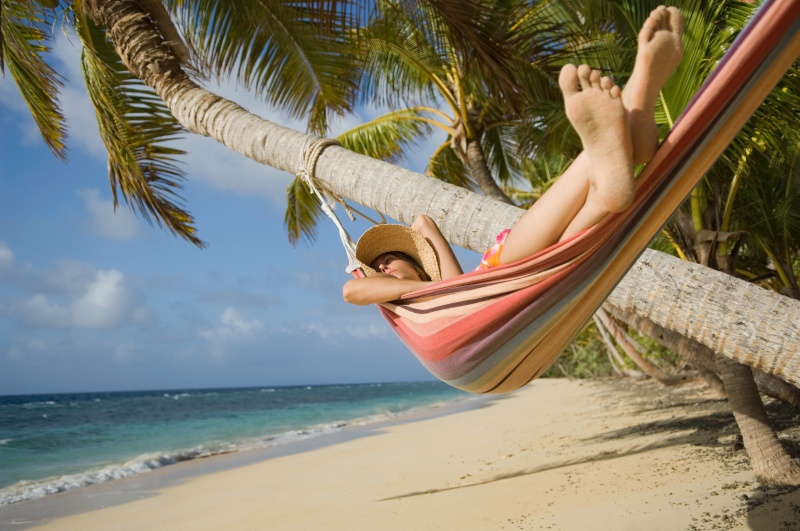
{"x":386,"y":238}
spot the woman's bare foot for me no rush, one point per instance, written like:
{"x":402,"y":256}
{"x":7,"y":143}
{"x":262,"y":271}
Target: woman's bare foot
{"x":594,"y":107}
{"x":660,"y":52}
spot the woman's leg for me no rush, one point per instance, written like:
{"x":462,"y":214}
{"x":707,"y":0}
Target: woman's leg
{"x":570,"y":205}
{"x":599,"y":181}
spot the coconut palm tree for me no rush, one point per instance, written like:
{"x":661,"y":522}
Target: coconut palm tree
{"x":418,"y":63}
{"x":467,"y":219}
{"x":412,"y":56}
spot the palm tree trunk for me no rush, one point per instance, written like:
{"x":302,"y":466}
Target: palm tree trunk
{"x":768,"y":458}
{"x":777,"y":388}
{"x":614,"y":357}
{"x":738,"y":320}
{"x":658,"y":287}
{"x":700,"y":356}
{"x":704,"y":359}
{"x":470,"y":220}
{"x":771,"y":464}
{"x":481,"y":174}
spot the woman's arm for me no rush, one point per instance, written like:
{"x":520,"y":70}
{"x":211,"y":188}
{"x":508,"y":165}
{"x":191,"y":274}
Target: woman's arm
{"x":448,"y":263}
{"x":378,"y":288}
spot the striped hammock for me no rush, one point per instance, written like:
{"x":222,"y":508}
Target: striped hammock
{"x":494,"y":331}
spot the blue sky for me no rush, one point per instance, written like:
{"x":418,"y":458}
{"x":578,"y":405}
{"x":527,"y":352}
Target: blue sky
{"x":92,"y":299}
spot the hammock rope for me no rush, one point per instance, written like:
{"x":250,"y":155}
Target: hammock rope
{"x":495,"y":330}
{"x":327,"y":199}
{"x":310,"y":155}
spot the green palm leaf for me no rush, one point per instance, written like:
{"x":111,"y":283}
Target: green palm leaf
{"x":23,"y":41}
{"x":296,"y":55}
{"x":135,"y":126}
{"x":471,"y":30}
{"x":500,"y":145}
{"x":403,"y":60}
{"x":446,"y":166}
{"x":302,"y":212}
{"x":388,"y":135}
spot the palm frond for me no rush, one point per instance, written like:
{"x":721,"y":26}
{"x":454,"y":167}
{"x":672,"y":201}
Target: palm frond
{"x":388,"y":135}
{"x":302,"y":212}
{"x":296,"y":55}
{"x":446,"y":166}
{"x":23,"y":42}
{"x":771,"y":217}
{"x":136,"y":127}
{"x":500,"y":145}
{"x":400,"y":62}
{"x":474,"y":29}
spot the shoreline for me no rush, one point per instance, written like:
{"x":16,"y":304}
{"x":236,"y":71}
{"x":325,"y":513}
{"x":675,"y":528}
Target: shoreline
{"x":28,"y":514}
{"x":558,"y":454}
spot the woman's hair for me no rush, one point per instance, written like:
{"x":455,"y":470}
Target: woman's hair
{"x":418,"y":268}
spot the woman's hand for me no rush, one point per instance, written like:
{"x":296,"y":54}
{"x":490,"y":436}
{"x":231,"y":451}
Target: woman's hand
{"x":448,"y":263}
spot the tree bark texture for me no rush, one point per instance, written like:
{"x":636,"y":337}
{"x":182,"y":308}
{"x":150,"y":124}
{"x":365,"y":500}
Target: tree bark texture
{"x":746,"y":323}
{"x":704,"y":359}
{"x":770,"y":462}
{"x":623,"y":341}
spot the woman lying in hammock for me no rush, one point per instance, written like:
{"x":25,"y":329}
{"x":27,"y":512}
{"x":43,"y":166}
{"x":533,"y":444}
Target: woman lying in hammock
{"x":617,"y":129}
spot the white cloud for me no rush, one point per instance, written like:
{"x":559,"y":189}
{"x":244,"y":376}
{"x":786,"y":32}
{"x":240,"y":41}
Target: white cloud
{"x":127,"y":352}
{"x":6,"y":256}
{"x":120,"y":224}
{"x":25,"y":348}
{"x":234,"y":330}
{"x":38,"y":310}
{"x":234,"y":325}
{"x":103,"y":302}
{"x":361,"y":332}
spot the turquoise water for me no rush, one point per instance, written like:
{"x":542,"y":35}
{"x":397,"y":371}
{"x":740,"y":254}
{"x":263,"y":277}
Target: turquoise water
{"x":53,"y":443}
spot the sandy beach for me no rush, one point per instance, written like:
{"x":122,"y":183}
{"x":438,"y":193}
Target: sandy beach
{"x":558,"y":454}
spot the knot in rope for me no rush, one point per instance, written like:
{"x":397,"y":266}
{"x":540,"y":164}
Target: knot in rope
{"x":310,"y":156}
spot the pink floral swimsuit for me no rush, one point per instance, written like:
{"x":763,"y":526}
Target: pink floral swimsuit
{"x":491,"y":257}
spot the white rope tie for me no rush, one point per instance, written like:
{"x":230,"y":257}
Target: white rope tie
{"x":311,"y":154}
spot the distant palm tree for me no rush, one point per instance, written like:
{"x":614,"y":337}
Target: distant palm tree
{"x":435,"y":65}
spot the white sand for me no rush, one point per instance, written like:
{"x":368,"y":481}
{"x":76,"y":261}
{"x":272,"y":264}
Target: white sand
{"x":558,"y":454}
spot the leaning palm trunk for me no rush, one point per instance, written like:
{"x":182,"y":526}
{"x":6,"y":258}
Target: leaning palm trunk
{"x":734,"y":307}
{"x":704,"y":359}
{"x":625,"y":342}
{"x":733,"y":318}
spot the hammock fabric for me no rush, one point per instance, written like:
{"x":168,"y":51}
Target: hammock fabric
{"x":494,"y":331}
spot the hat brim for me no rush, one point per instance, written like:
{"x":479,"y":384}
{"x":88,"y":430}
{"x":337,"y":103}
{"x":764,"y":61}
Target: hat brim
{"x":387,"y":238}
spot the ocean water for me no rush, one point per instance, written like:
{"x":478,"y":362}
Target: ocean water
{"x":53,"y":443}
